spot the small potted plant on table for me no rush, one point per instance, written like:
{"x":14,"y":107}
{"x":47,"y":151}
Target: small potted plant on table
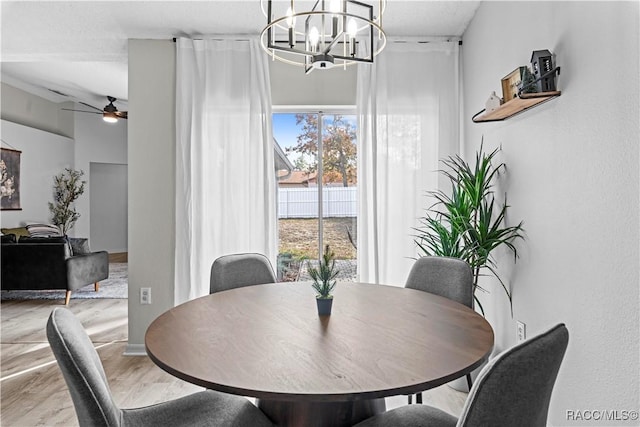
{"x":324,"y":281}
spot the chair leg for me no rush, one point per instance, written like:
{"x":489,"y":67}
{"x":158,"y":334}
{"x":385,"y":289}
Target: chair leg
{"x":67,"y":297}
{"x":419,"y":398}
{"x":96,"y":286}
{"x":469,"y":381}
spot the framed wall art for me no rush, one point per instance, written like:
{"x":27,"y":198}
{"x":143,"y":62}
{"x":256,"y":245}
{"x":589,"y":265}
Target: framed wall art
{"x":9,"y":179}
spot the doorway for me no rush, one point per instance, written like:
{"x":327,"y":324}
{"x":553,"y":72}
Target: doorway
{"x":108,"y":207}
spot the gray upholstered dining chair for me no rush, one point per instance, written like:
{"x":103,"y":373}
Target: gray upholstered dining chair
{"x":94,"y":404}
{"x":513,"y":389}
{"x":446,"y":277}
{"x":238,"y":270}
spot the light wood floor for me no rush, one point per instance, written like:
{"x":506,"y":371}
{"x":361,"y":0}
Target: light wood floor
{"x":33,"y":392}
{"x":119,"y":257}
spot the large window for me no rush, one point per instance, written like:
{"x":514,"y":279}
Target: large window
{"x":317,"y":194}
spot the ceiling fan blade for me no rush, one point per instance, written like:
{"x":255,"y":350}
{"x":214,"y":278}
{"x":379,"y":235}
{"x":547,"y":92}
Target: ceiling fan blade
{"x":91,"y":106}
{"x":109,"y":112}
{"x":82,"y":111}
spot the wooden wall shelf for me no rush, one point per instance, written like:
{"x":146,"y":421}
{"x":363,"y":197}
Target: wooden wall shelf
{"x":515,"y":106}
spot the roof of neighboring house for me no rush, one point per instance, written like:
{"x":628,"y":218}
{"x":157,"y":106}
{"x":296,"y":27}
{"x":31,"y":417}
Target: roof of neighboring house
{"x":281,"y":160}
{"x":299,"y":177}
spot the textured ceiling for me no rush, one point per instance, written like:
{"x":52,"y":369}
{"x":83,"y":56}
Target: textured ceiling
{"x":79,"y":48}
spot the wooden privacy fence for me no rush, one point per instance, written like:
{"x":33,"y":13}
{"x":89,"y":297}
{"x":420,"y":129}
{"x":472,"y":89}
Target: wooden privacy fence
{"x":303,"y":202}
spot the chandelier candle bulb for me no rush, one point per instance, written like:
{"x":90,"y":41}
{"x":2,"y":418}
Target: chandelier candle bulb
{"x":334,"y":6}
{"x":314,"y":38}
{"x":352,"y":29}
{"x":291,"y":23}
{"x":292,"y":37}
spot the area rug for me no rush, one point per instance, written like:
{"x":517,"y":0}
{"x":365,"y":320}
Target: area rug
{"x":113,"y":287}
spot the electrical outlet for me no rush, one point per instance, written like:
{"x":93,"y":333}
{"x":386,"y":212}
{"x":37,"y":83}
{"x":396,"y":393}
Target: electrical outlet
{"x":145,"y":295}
{"x":521,"y":331}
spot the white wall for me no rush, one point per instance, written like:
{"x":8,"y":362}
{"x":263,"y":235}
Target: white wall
{"x":151,"y":182}
{"x":100,"y":142}
{"x":44,"y":155}
{"x":291,"y":86}
{"x":30,"y":110}
{"x":573,"y":177}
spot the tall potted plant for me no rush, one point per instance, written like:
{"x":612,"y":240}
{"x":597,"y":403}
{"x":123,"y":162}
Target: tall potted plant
{"x":468,"y":222}
{"x":67,"y":187}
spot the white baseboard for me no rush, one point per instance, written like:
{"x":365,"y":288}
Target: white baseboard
{"x":135,"y":350}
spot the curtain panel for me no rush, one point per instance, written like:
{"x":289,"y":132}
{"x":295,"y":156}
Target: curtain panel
{"x":225,"y":177}
{"x":408,"y":119}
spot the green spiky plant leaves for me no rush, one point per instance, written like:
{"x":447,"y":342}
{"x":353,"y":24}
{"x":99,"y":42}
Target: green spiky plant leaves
{"x":67,"y":187}
{"x":324,"y":276}
{"x":469,"y":223}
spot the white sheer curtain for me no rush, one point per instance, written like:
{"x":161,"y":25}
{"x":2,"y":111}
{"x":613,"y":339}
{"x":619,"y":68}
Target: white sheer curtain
{"x":408,"y":113}
{"x":225,"y":177}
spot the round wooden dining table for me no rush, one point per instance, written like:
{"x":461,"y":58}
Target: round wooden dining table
{"x":268,"y":342}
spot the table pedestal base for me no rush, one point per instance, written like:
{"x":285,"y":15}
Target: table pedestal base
{"x":320,"y":414}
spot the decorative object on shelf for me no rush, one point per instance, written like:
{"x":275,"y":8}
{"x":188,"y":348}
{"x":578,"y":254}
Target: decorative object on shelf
{"x":528,"y":83}
{"x":67,"y":187}
{"x":325,"y":33}
{"x":523,"y":90}
{"x":493,"y":102}
{"x":543,"y":70}
{"x":510,"y":84}
{"x":10,"y":179}
{"x":324,"y":281}
{"x":468,"y":222}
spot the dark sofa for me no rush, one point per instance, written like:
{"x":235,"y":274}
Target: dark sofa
{"x":47,"y":263}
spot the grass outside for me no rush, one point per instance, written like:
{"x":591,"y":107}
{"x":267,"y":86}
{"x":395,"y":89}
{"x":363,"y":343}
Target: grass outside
{"x":299,"y":237}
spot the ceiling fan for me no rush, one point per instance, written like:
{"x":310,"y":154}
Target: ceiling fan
{"x":110,"y":113}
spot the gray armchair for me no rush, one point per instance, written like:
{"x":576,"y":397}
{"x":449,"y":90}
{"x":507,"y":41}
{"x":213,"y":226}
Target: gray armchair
{"x":238,"y":270}
{"x":95,"y":407}
{"x":446,"y":277}
{"x":513,"y":389}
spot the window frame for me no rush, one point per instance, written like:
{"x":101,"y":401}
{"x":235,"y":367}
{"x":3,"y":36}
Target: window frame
{"x":320,"y":110}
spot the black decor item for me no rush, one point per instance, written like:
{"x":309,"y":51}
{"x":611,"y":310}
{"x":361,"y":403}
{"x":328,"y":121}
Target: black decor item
{"x":542,"y":67}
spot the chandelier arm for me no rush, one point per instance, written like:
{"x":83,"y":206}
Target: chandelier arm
{"x":335,"y":41}
{"x":382,"y":7}
{"x":322,"y":12}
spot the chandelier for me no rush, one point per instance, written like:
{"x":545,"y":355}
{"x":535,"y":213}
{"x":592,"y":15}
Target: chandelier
{"x":324,"y":33}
